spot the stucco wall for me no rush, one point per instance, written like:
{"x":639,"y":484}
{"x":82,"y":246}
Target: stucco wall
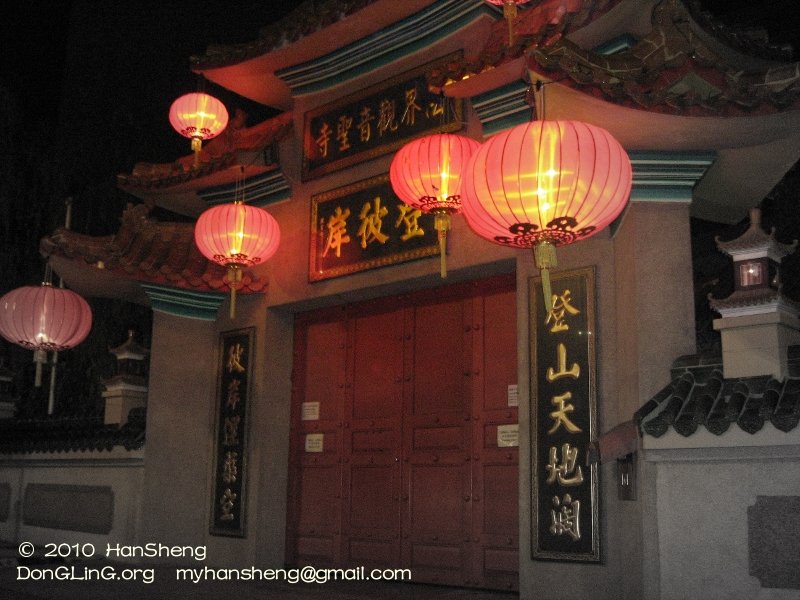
{"x":703,"y":497}
{"x":119,"y":472}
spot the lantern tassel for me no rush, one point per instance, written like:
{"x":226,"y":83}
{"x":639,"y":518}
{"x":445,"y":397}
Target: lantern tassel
{"x":197,"y":145}
{"x":39,"y":357}
{"x":234,"y":281}
{"x":510,"y":13}
{"x":544,"y":253}
{"x":442,"y":224}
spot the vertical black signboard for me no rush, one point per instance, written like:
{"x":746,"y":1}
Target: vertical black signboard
{"x":564,"y":418}
{"x":230,"y":448}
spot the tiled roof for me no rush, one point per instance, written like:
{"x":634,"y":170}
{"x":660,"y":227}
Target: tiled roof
{"x":755,"y":238}
{"x":150,"y":251}
{"x":308,"y":17}
{"x":217,"y":154}
{"x":674,"y":70}
{"x":63,"y":435}
{"x":754,"y":297}
{"x":699,"y":396}
{"x":538,"y":26}
{"x":671,"y":70}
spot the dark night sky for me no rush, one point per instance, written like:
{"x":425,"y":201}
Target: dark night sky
{"x":35,"y":33}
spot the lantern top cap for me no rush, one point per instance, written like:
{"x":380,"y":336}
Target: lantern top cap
{"x":130,"y":348}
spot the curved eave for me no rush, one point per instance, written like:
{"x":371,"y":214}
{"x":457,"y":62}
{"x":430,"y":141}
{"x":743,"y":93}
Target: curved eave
{"x":255,"y":78}
{"x":182,"y":197}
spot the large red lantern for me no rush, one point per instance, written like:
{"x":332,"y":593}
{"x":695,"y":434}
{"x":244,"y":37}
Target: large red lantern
{"x":426,"y":174}
{"x":545,"y":184}
{"x":236,"y":235}
{"x":199,"y":117}
{"x":44,"y":319}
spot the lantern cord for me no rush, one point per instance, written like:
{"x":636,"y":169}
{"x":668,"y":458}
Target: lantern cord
{"x":238,"y":191}
{"x":51,"y":397}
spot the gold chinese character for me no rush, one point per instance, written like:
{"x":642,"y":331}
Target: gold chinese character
{"x":230,"y":470}
{"x":561,"y":306}
{"x":561,"y":470}
{"x":343,"y":132}
{"x":560,"y":414}
{"x":231,"y":432}
{"x":434,"y":109}
{"x":226,"y":503}
{"x":387,"y":118}
{"x":323,"y":139}
{"x":337,"y":231}
{"x":574,"y":371}
{"x":409,"y":217}
{"x":233,"y":394}
{"x":412,"y":108}
{"x":370,"y":229}
{"x":235,"y":353}
{"x":565,"y":518}
{"x":365,"y":124}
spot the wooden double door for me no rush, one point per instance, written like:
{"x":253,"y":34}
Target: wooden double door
{"x":402,"y":447}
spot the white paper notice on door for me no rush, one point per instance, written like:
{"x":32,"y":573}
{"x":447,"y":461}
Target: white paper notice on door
{"x":309,"y":411}
{"x":513,"y":395}
{"x":507,"y":436}
{"x":315,"y":442}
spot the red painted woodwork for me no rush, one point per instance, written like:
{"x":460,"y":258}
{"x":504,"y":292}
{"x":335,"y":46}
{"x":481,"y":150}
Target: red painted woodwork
{"x":411,"y":392}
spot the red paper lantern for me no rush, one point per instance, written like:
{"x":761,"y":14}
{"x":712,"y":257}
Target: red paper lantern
{"x":545,"y":184}
{"x":198,"y":117}
{"x":426,"y":174}
{"x":44,"y":318}
{"x":236,"y":235}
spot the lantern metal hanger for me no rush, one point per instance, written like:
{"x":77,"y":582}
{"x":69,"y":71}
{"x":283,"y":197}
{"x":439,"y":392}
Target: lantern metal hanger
{"x":237,"y":235}
{"x":545,"y":184}
{"x":426,"y":174}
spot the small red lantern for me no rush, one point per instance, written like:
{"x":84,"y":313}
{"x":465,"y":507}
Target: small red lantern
{"x":198,"y":117}
{"x":426,"y":174}
{"x":236,"y":235}
{"x":545,"y":184}
{"x":44,"y":319}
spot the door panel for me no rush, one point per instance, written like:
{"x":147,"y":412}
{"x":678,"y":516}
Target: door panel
{"x":411,"y":393}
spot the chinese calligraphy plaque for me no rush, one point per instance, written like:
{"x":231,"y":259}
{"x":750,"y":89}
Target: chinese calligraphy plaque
{"x":374,"y":122}
{"x":363,"y":226}
{"x":230,"y":446}
{"x":565,"y":503}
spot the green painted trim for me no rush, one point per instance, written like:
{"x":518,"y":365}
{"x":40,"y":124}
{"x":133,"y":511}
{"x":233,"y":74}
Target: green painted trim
{"x":667,"y":176}
{"x":503,"y":107}
{"x":261,"y":190}
{"x":184,"y":303}
{"x":368,"y":54}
